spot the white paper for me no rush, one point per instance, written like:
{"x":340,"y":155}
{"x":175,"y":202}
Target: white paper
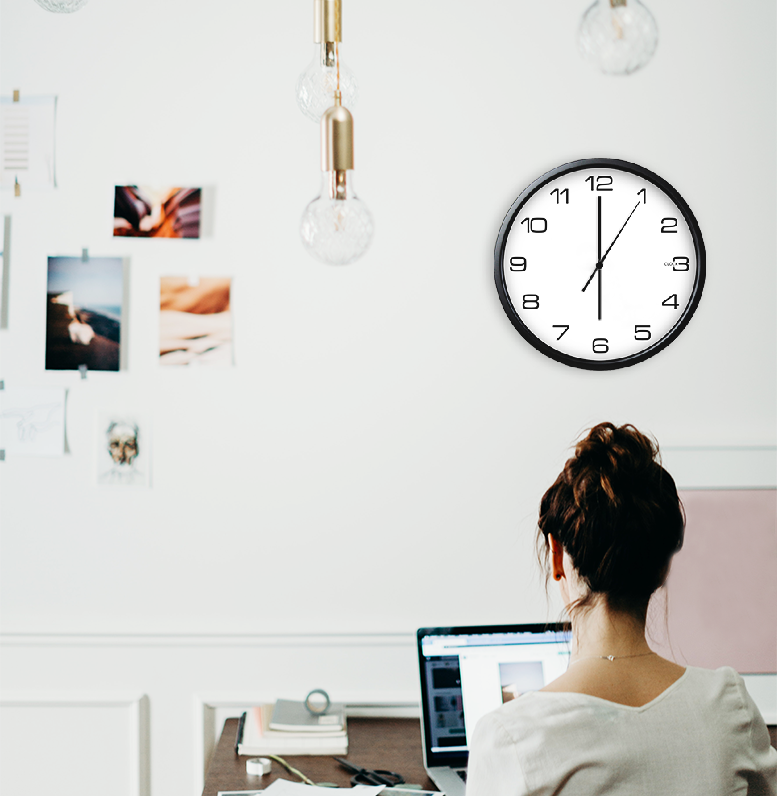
{"x":32,"y":422}
{"x":240,"y":792}
{"x":283,"y":787}
{"x":27,"y":142}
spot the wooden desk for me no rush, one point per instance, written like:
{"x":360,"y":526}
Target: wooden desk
{"x":393,"y":744}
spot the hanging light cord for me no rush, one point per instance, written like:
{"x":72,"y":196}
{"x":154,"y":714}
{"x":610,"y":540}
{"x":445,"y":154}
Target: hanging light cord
{"x":338,"y":11}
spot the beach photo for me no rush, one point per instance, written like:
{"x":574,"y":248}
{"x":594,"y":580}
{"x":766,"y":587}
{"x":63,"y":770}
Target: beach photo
{"x":195,"y":321}
{"x":143,"y":211}
{"x":84,"y":313}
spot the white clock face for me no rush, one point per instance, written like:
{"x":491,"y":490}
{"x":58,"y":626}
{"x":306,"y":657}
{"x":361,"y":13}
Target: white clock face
{"x":599,"y":264}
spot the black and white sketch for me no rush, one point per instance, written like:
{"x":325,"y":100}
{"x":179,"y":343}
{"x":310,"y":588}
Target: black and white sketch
{"x":123,"y":451}
{"x":32,"y":422}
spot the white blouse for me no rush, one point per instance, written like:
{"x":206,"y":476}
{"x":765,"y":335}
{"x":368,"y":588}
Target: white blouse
{"x":703,"y":736}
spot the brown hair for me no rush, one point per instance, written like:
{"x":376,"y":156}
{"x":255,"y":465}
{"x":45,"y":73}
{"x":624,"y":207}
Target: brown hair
{"x":616,"y":512}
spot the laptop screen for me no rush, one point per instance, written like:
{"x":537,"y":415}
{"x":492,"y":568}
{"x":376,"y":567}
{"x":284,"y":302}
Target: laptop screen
{"x":467,"y":672}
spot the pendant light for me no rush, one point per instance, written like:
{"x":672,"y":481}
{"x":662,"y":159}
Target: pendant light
{"x":61,"y":6}
{"x":619,"y":36}
{"x":326,"y":73}
{"x":336,"y":226}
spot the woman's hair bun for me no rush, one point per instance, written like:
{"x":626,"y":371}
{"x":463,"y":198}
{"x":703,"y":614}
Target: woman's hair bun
{"x":616,"y":512}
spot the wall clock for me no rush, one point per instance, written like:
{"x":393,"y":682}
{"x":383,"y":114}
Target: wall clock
{"x":599,"y":264}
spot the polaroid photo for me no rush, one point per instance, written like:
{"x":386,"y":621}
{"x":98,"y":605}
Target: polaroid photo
{"x":84,"y":303}
{"x":195,"y":321}
{"x":143,"y":211}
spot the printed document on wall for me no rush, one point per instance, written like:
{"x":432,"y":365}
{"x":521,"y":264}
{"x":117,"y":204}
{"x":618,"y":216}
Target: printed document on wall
{"x":27,"y":130}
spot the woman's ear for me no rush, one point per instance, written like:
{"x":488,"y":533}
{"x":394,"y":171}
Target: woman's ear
{"x":556,"y":558}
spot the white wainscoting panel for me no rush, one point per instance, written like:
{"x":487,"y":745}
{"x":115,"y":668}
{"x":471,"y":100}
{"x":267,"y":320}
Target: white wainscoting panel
{"x":109,"y":743}
{"x":193,"y":684}
{"x":86,"y":744}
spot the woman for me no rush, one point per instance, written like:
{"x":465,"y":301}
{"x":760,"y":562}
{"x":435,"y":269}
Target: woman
{"x":621,"y":719}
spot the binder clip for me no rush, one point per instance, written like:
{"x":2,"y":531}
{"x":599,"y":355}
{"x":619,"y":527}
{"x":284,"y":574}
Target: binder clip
{"x":82,"y":369}
{"x":17,"y":189}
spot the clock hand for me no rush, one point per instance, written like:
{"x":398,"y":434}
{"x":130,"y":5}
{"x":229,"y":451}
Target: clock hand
{"x":601,"y":262}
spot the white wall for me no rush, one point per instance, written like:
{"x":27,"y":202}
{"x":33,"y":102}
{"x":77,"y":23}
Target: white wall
{"x":374,"y":461}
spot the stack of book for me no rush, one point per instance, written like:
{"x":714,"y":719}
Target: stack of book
{"x":287,"y":728}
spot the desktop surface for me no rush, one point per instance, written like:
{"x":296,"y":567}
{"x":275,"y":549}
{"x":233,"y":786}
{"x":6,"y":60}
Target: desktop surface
{"x":393,"y":744}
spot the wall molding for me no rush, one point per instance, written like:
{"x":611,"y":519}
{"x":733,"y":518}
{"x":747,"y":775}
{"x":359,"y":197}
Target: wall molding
{"x":112,"y":638}
{"x":137,"y":709}
{"x":722,"y":466}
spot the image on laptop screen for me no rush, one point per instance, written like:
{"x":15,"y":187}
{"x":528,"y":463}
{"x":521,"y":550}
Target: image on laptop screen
{"x":467,"y":672}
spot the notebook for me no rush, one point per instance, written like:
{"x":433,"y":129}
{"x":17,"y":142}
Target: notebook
{"x":467,"y":672}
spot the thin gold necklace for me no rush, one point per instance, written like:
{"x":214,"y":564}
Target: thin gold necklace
{"x":611,"y":657}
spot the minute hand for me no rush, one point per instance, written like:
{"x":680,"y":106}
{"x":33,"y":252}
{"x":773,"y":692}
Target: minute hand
{"x":601,"y":262}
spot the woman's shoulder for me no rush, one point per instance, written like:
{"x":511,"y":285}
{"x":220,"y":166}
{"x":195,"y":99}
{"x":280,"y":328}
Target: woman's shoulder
{"x":535,"y":710}
{"x":715,"y":682}
{"x":715,"y":688}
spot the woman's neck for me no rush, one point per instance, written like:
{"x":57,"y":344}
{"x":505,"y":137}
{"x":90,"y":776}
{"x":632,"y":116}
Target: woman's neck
{"x":598,"y":630}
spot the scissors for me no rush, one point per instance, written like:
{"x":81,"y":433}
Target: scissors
{"x":365,"y":776}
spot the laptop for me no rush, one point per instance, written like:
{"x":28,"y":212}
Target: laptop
{"x":467,"y":672}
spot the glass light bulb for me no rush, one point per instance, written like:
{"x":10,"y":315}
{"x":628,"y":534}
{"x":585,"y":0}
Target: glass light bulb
{"x":316,"y":85}
{"x":619,"y":36}
{"x":336,"y":226}
{"x":61,"y":6}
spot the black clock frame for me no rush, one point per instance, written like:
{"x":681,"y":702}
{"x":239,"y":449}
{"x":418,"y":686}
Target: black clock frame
{"x":515,"y":318}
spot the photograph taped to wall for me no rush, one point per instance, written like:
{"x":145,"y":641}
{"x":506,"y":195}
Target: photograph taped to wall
{"x":84,"y":313}
{"x":32,"y":422}
{"x":143,"y":211}
{"x":123,"y":449}
{"x":27,"y":142}
{"x":195,"y":321}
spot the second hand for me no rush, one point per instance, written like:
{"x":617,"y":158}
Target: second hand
{"x":601,"y":262}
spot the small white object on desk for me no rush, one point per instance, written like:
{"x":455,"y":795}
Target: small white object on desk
{"x":259,"y":766}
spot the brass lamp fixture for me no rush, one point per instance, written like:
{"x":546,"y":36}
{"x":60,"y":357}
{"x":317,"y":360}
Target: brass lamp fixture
{"x":336,"y":226}
{"x":326,"y":73}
